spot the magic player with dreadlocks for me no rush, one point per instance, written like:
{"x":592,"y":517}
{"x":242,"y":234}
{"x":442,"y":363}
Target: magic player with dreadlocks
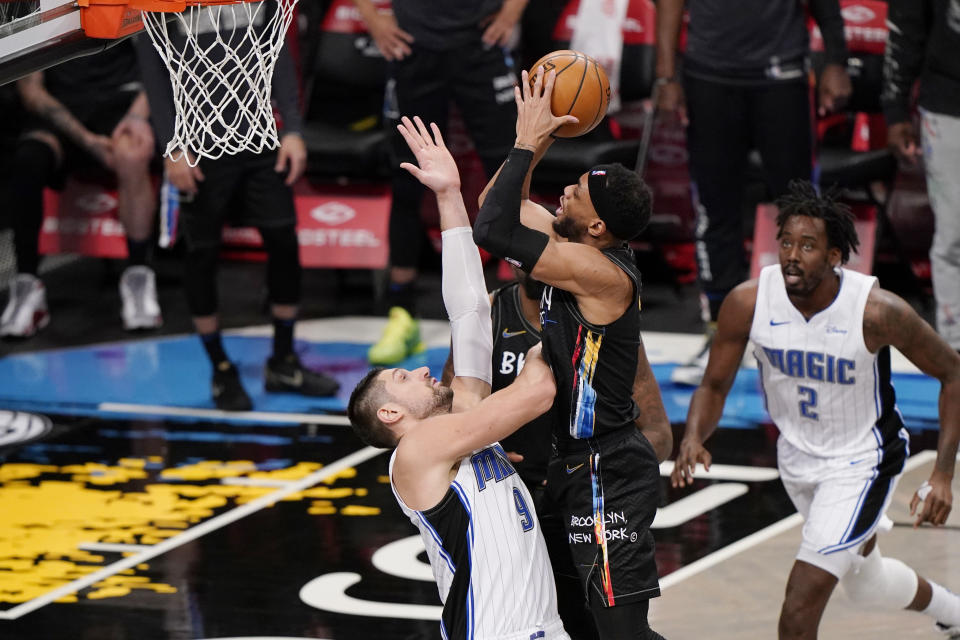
{"x":822,"y":335}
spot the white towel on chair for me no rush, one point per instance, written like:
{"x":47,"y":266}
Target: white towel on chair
{"x":598,"y":32}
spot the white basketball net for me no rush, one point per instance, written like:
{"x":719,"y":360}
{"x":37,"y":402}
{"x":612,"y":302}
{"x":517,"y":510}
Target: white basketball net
{"x":221,"y":60}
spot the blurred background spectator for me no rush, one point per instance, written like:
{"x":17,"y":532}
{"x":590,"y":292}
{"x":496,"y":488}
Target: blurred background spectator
{"x":89,"y":117}
{"x":251,"y":188}
{"x":743,"y":85}
{"x":440,"y":52}
{"x":924,"y":43}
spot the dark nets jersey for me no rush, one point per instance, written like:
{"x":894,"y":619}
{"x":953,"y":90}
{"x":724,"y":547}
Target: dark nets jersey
{"x":594,"y":365}
{"x":512,"y":338}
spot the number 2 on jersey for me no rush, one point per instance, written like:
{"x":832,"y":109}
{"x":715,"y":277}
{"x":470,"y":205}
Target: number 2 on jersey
{"x":808,"y":403}
{"x":526,"y":518}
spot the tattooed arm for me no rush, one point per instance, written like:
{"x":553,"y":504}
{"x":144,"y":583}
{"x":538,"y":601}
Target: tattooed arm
{"x":39,"y":101}
{"x":889,"y":320}
{"x":652,"y":421}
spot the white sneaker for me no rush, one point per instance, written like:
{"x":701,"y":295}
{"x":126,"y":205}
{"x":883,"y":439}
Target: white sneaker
{"x":26,"y":311}
{"x":138,"y":291}
{"x":691,"y":373}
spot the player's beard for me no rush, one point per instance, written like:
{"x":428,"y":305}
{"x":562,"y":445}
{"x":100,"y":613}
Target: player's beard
{"x":567,"y":227}
{"x":442,"y":400}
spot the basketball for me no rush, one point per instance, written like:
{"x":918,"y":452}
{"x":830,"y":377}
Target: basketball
{"x":581,"y":90}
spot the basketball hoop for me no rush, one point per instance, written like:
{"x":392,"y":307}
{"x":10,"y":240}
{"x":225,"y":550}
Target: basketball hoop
{"x":221,"y":56}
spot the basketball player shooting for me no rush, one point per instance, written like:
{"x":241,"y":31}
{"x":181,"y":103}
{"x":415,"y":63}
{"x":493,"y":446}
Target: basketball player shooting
{"x":605,"y":476}
{"x":822,"y":335}
{"x":448,"y":472}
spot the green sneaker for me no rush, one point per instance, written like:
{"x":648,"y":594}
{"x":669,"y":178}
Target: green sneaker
{"x":400,"y":339}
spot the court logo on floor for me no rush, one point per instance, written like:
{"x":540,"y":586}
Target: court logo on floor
{"x":17,"y":427}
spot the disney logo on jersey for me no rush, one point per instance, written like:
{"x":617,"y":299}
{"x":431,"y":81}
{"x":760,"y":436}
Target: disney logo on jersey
{"x":512,"y":362}
{"x":491,"y":465}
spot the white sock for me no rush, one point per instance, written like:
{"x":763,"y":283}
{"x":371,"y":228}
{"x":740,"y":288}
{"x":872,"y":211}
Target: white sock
{"x":944,"y":606}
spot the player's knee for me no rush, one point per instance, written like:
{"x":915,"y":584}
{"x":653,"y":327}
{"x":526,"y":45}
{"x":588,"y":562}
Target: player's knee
{"x":881,"y":582}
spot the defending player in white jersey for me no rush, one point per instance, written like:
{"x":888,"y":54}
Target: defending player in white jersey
{"x":448,"y":473}
{"x":822,"y":335}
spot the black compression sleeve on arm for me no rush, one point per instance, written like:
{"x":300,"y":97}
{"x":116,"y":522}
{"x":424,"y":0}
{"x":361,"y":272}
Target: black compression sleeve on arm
{"x":498,"y":228}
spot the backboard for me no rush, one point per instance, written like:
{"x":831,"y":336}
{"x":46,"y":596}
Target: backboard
{"x":36,"y":34}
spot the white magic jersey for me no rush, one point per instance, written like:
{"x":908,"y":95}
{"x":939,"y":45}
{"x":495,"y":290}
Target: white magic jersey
{"x":488,"y":555}
{"x":827,"y":394}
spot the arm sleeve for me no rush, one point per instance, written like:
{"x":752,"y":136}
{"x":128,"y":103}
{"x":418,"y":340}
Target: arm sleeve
{"x":468,"y":305}
{"x":909,"y":24}
{"x":286,"y":92}
{"x":830,"y":20}
{"x":156,"y":82}
{"x":498,"y":228}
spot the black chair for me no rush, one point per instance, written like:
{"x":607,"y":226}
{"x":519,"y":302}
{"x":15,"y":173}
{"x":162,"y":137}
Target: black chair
{"x":344,"y":79}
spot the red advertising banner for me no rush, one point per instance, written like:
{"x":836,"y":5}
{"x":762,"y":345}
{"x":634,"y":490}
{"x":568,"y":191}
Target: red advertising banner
{"x":339,"y":227}
{"x":864,"y":24}
{"x":82,"y":219}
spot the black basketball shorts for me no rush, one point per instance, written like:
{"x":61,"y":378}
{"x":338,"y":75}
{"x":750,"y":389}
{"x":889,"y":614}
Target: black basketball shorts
{"x":242,"y":189}
{"x":608,"y":490}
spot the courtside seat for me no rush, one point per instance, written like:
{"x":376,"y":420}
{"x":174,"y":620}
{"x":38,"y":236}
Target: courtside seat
{"x":848,"y":156}
{"x":344,"y":78}
{"x":852,"y":169}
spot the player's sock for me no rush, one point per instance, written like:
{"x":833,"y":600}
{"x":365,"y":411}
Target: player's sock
{"x":138,"y":251}
{"x":213,"y":344}
{"x":283,"y":337}
{"x":944,"y":606}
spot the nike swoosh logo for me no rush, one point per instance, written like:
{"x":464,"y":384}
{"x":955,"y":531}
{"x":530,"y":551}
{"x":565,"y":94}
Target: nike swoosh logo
{"x":509,"y":334}
{"x":295,"y":380}
{"x":572,"y":469}
{"x":857,"y":461}
{"x":777,"y":324}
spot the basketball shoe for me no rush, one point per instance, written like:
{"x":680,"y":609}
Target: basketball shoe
{"x":400,"y":339}
{"x":26,"y":311}
{"x":227,"y":390}
{"x":138,"y":291}
{"x":289,"y":374}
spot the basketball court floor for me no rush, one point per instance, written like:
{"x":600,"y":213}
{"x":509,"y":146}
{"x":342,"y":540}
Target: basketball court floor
{"x":131,"y":509}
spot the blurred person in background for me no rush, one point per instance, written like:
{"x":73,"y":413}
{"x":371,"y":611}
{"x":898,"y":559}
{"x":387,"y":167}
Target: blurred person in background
{"x":248,"y":188}
{"x":924,"y":44}
{"x":743,"y":85}
{"x":89,"y":117}
{"x":438,"y":52}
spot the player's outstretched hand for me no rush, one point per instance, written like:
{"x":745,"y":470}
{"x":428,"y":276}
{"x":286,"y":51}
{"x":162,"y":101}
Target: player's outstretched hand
{"x":437,"y":169}
{"x":691,"y":452}
{"x":535,"y":119}
{"x":937,"y":500}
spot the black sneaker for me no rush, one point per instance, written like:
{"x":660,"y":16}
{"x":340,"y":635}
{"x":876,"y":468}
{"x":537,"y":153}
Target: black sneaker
{"x":228,"y":392}
{"x":289,"y":374}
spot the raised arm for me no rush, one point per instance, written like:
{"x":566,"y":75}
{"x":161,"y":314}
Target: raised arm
{"x":706,"y":406}
{"x":463,"y":286}
{"x":578,"y":268}
{"x":889,"y":320}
